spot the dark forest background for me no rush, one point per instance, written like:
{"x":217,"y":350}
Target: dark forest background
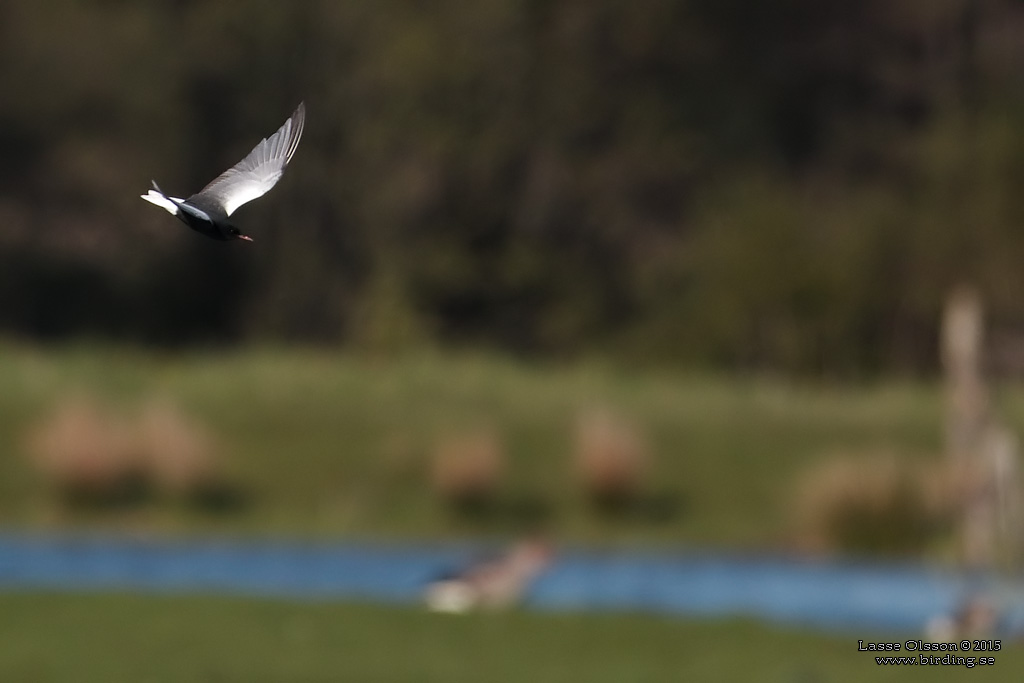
{"x":793,"y":185}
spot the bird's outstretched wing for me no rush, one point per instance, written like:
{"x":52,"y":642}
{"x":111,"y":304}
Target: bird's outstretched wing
{"x":254,"y":175}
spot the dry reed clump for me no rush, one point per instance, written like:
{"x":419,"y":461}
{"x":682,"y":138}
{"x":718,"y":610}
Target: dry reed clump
{"x":86,"y":452}
{"x":871,"y":503}
{"x":179,"y":453}
{"x":92,"y":454}
{"x":611,"y":458}
{"x":467,"y":468}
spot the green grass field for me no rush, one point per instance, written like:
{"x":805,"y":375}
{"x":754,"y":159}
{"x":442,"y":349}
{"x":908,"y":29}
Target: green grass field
{"x":334,"y":445}
{"x":130,"y":639}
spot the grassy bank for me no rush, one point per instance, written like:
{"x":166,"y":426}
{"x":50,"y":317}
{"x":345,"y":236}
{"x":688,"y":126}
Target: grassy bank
{"x":126,"y":638}
{"x":326,"y":444}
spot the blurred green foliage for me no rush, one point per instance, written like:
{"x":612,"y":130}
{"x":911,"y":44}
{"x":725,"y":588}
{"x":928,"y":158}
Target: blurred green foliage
{"x":793,"y":185}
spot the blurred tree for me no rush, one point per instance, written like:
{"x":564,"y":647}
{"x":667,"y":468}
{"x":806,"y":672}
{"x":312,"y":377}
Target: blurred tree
{"x":790,"y":184}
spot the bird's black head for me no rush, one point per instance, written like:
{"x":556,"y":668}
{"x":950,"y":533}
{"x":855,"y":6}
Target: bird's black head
{"x":235,"y":233}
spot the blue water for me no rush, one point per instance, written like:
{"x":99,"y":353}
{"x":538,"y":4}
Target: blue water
{"x":824,"y":594}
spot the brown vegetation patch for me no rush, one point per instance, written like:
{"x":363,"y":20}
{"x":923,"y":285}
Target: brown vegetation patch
{"x":87,"y":453}
{"x":874,"y":503}
{"x":467,"y":468}
{"x":611,"y":459}
{"x":92,"y":454}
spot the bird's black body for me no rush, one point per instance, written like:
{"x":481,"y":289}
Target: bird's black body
{"x":204,"y":216}
{"x":208,"y":210}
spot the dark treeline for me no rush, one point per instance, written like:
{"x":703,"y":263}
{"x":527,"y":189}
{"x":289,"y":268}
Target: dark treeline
{"x":793,"y":184}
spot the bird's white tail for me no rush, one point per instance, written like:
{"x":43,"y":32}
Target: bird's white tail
{"x":154,"y":197}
